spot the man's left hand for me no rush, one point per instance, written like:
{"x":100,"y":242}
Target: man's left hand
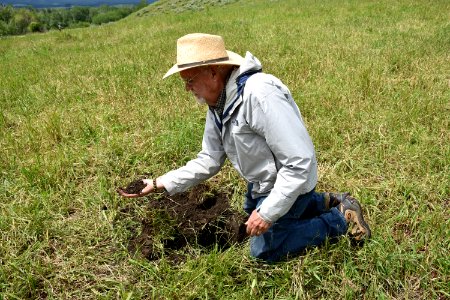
{"x":256,"y":225}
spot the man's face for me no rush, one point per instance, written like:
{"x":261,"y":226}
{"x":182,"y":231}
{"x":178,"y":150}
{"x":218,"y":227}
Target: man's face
{"x":204,"y":83}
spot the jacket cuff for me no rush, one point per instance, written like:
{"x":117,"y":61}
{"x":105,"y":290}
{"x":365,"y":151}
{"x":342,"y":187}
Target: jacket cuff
{"x":264,"y":217}
{"x":168,"y":184}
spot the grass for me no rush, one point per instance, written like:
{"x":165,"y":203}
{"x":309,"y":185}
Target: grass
{"x":85,"y":110}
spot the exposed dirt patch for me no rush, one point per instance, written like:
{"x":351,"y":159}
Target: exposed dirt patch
{"x":199,"y":218}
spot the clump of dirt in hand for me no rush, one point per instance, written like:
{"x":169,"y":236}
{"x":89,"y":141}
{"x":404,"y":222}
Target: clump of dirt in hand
{"x":134,"y":187}
{"x":199,"y":218}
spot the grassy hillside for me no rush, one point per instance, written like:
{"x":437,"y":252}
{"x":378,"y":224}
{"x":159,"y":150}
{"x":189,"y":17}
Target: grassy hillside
{"x":177,"y":6}
{"x":83,"y":111}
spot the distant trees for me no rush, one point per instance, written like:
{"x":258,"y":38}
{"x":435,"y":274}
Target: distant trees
{"x":14,"y":21}
{"x":106,"y":15}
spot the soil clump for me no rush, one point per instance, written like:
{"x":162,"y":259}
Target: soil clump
{"x":134,"y":187}
{"x":201,"y":218}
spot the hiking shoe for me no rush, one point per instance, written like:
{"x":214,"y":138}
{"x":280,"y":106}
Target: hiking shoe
{"x":351,"y":209}
{"x":333,"y":199}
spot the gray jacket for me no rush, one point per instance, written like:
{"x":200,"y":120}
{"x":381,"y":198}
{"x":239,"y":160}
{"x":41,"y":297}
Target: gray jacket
{"x":264,"y":137}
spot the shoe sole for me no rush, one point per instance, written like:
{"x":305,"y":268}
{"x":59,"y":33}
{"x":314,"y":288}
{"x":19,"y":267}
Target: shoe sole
{"x":354,"y":213}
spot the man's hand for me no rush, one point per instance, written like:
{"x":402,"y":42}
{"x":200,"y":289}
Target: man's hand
{"x":147,"y":190}
{"x":256,"y":225}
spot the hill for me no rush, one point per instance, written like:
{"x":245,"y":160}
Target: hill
{"x":83,"y":111}
{"x":177,"y":6}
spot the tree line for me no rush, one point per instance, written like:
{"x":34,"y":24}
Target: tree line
{"x":16,"y":21}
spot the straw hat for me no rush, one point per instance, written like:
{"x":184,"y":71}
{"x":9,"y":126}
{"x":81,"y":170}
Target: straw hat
{"x":201,"y":49}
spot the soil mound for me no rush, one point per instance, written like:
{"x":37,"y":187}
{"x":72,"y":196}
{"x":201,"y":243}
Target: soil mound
{"x":201,"y":218}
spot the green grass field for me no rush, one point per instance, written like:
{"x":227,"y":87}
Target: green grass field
{"x":85,"y":110}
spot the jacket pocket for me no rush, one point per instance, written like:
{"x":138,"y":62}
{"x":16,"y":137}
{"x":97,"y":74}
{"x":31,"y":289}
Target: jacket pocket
{"x":254,"y":156}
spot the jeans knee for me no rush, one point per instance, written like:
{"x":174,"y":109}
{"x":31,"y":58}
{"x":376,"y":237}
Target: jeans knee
{"x":260,"y":248}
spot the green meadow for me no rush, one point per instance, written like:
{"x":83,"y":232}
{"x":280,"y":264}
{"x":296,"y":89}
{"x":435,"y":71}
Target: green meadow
{"x":84,"y":111}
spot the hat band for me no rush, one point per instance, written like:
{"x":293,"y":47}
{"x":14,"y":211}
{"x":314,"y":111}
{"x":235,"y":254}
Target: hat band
{"x":203,"y":62}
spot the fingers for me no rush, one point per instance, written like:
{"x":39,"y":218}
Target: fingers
{"x":126,"y":195}
{"x":255,"y":231}
{"x":145,"y":191}
{"x":255,"y":225}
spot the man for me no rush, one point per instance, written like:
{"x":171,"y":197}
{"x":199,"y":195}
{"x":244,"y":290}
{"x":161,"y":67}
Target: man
{"x":254,"y":122}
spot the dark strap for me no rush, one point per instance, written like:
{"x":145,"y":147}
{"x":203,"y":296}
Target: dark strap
{"x":240,"y":81}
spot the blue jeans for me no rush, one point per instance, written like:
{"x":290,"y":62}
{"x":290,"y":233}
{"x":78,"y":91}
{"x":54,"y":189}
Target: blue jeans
{"x":306,"y":224}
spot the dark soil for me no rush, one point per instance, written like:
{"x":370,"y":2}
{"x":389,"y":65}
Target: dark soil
{"x":134,"y":187}
{"x":199,"y":218}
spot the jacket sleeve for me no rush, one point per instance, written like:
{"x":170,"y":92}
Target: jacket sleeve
{"x":275,"y":116}
{"x":208,"y":162}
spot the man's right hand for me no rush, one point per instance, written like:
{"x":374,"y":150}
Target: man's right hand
{"x":147,"y":190}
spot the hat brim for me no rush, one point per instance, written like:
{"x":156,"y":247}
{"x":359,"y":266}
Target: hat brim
{"x":233,"y":59}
